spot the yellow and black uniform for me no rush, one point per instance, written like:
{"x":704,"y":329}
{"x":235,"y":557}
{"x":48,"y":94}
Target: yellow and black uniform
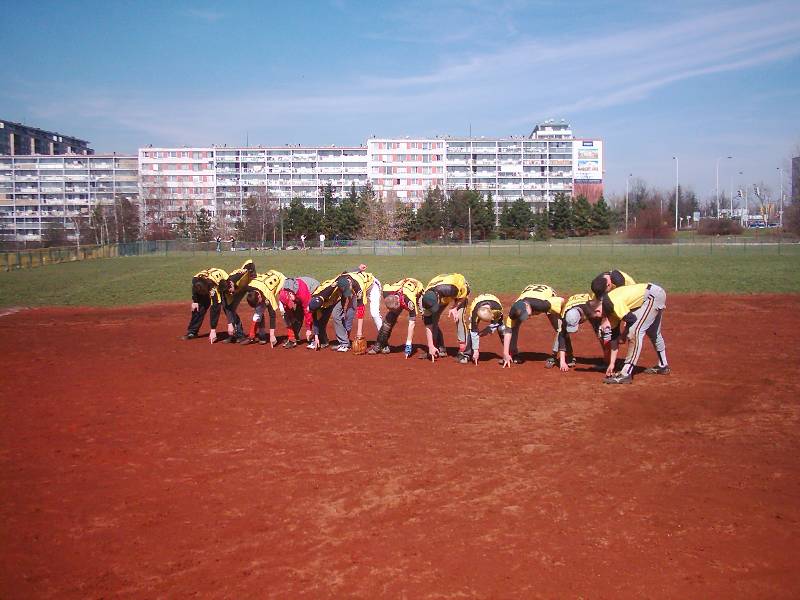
{"x":570,"y":320}
{"x":215,"y":279}
{"x":408,"y":292}
{"x":240,"y":279}
{"x":321,"y":306}
{"x":541,"y":298}
{"x":619,"y":303}
{"x":268,"y":284}
{"x":438,"y":294}
{"x":618,"y":279}
{"x":477,"y":327}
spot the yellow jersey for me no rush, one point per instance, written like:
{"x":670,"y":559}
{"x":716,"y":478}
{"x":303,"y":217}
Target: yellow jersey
{"x":470,"y":318}
{"x":409,"y":290}
{"x":269,"y":284}
{"x":456,"y":280}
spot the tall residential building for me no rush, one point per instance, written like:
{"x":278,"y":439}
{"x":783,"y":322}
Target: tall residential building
{"x":36,"y":191}
{"x":219,"y":179}
{"x":18,"y":139}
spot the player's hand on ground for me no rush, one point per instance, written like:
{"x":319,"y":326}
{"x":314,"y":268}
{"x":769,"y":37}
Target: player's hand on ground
{"x":195,"y":307}
{"x":272,"y":340}
{"x":309,"y":335}
{"x":475,"y":356}
{"x":408,"y":350}
{"x":563,"y":366}
{"x":506,"y":361}
{"x":610,"y":371}
{"x":212,"y":336}
{"x":433,"y":352}
{"x":316,"y":343}
{"x":230,"y":329}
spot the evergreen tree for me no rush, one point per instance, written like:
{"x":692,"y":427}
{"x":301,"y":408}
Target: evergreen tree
{"x":540,"y":223}
{"x":406,"y":222}
{"x":581,"y":216}
{"x":203,"y":226}
{"x":601,"y":216}
{"x":561,"y":216}
{"x":430,"y":218}
{"x":182,"y":227}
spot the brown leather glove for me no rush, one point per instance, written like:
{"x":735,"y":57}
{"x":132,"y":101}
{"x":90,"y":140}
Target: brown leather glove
{"x":359,"y":346}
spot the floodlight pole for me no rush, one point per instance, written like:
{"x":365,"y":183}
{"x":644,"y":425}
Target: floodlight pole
{"x":627,"y":189}
{"x":780,"y":214}
{"x":717,"y":170}
{"x":677,"y":186}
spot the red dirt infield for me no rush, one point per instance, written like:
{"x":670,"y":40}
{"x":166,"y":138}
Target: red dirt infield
{"x":133,"y":464}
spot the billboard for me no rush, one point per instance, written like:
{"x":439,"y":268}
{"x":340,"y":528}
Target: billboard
{"x":587,"y":158}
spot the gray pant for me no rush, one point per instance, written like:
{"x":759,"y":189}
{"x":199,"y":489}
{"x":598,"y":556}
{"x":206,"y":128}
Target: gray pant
{"x":648,"y":322}
{"x":310,"y":282}
{"x":343,"y":322}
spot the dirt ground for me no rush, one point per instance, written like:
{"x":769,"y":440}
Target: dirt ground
{"x":133,"y":464}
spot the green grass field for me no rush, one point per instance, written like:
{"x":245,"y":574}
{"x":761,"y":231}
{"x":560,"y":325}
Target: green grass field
{"x":147,"y":279}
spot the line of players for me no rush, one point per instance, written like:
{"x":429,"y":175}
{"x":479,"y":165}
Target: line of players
{"x":617,"y":307}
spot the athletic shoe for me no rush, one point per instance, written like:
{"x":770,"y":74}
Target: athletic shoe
{"x":189,"y":336}
{"x":618,"y":378}
{"x":550,"y":363}
{"x":231,"y":339}
{"x":262,"y":341}
{"x":462,"y":358}
{"x":289,"y":344}
{"x":342,"y":348}
{"x":386,"y":350}
{"x":665,"y":370}
{"x":571,"y":362}
{"x":443,"y":352}
{"x":245,"y":341}
{"x":375,"y":350}
{"x":312,"y":345}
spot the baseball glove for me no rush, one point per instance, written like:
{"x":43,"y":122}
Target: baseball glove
{"x":360,"y":346}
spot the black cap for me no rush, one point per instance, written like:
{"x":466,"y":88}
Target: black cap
{"x":430,"y":301}
{"x":315,"y":303}
{"x":345,"y":286}
{"x":519,"y":311}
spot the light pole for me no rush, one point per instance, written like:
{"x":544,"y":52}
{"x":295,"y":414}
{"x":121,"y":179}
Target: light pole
{"x":717,"y":170}
{"x":677,"y":185}
{"x":627,"y":187}
{"x":780,"y":214}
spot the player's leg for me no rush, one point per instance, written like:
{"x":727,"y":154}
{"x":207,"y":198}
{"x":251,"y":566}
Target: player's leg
{"x":645,"y":315}
{"x":382,"y":343}
{"x":233,"y":318}
{"x":374,"y":296}
{"x":196,"y":320}
{"x":342,"y":334}
{"x":654,"y":331}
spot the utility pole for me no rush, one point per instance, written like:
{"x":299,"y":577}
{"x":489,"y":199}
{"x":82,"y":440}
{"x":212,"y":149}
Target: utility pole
{"x":717,"y":188}
{"x":469,"y":222}
{"x":780,"y":214}
{"x":677,"y":187}
{"x":627,"y":186}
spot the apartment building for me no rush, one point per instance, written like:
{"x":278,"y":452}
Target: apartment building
{"x":535,"y":168}
{"x":36,"y":191}
{"x":17,"y":139}
{"x":221,"y":178}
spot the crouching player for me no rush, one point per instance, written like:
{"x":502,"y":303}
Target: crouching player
{"x":534,"y":299}
{"x":610,"y":280}
{"x":321,"y":305}
{"x":237,"y":284}
{"x":262,"y":296}
{"x":294,"y":298}
{"x":208,"y":289}
{"x":440,"y":292}
{"x":353,"y":289}
{"x":639,"y":309}
{"x":576,"y":310}
{"x":402,"y":295}
{"x":486,"y":308}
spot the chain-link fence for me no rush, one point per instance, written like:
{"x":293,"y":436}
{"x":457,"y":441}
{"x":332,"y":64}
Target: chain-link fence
{"x":697,"y":246}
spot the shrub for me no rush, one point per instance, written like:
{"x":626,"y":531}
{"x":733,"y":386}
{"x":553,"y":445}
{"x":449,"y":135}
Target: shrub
{"x":650,"y":225}
{"x":719,"y":227}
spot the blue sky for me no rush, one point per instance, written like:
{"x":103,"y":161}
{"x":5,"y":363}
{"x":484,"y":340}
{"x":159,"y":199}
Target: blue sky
{"x":695,"y":79}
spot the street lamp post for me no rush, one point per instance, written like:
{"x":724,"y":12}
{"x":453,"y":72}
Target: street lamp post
{"x":780,"y":214}
{"x":677,"y":185}
{"x":627,"y":186}
{"x":717,"y":171}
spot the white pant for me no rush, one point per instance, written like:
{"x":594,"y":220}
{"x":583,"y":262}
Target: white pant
{"x":648,"y":323}
{"x":374,"y":295}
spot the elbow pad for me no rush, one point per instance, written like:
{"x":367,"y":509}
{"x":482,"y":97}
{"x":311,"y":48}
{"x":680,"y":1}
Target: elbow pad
{"x":360,"y":311}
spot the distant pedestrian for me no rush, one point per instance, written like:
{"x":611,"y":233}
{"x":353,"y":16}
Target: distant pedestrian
{"x":219,"y":243}
{"x":321,"y":241}
{"x":233,"y":243}
{"x":303,"y":241}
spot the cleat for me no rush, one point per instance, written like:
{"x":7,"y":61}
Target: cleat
{"x":189,"y":336}
{"x":550,"y":363}
{"x":386,"y":350}
{"x":262,"y":342}
{"x":462,"y":358}
{"x":246,"y":341}
{"x":442,"y":352}
{"x":665,"y":370}
{"x":375,"y":349}
{"x":342,"y":348}
{"x":618,"y":378}
{"x":231,"y":339}
{"x":289,"y":344}
{"x":571,"y":362}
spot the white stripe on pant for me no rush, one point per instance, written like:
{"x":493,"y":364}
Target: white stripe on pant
{"x":648,"y":321}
